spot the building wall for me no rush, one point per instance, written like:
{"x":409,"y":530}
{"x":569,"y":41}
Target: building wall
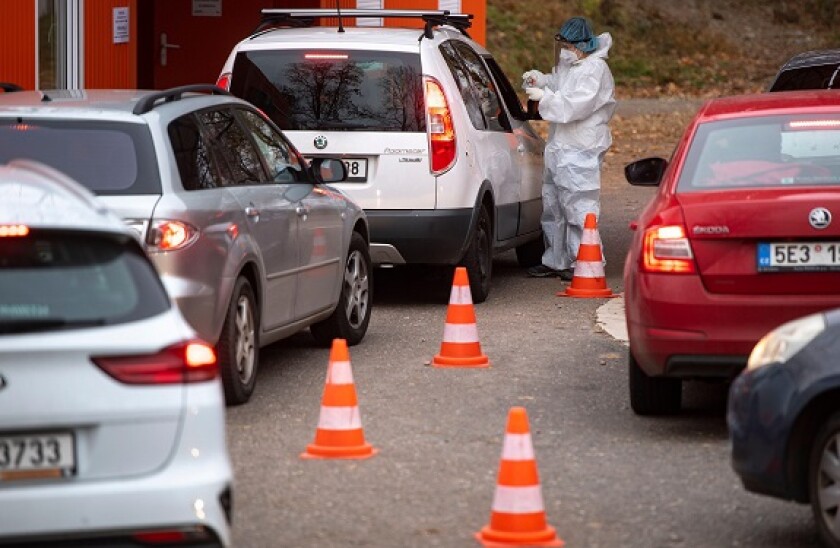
{"x":109,"y":65}
{"x":17,"y":42}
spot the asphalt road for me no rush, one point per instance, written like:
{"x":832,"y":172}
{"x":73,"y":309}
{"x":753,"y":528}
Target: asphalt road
{"x":608,"y":478}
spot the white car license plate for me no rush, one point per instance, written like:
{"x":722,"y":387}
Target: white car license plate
{"x":42,"y":455}
{"x":798,"y":256}
{"x":356,"y":169}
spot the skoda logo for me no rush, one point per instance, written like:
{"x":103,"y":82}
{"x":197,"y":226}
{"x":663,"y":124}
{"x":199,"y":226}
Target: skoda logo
{"x":819,"y":218}
{"x":320,"y":142}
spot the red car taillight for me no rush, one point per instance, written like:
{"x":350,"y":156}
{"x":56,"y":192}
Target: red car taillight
{"x":192,"y":361}
{"x":667,"y":250}
{"x":166,"y":235}
{"x":224,"y":81}
{"x":441,"y":131}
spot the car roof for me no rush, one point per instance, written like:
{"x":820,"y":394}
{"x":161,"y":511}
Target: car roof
{"x":352,"y":37}
{"x":39,"y":196}
{"x":812,"y":58}
{"x":105,"y":104}
{"x":762,"y":104}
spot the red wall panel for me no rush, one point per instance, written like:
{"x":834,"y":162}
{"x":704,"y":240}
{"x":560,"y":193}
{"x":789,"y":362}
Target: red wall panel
{"x":109,"y":65}
{"x":17,"y":42}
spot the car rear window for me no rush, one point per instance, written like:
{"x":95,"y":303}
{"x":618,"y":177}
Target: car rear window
{"x":813,"y":77}
{"x":333,"y":90}
{"x":772,"y":151}
{"x":56,"y":280}
{"x":108,"y":158}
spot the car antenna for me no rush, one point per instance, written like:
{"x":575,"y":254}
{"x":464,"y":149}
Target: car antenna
{"x":340,"y":23}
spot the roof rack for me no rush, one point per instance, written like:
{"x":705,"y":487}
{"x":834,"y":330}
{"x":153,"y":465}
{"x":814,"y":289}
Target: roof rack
{"x":148,"y":102}
{"x":275,"y":17}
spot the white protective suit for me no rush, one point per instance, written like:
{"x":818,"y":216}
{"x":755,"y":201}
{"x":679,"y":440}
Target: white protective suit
{"x":579,"y":101}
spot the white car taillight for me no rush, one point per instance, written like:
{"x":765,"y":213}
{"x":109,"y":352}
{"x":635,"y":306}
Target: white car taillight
{"x":441,"y":131}
{"x":192,"y":361}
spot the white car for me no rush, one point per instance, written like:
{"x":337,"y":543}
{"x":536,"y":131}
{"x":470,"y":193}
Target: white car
{"x":112,"y":428}
{"x":438,"y":149}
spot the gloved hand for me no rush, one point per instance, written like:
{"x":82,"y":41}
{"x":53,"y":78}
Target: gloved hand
{"x":534,"y":94}
{"x":533,"y":78}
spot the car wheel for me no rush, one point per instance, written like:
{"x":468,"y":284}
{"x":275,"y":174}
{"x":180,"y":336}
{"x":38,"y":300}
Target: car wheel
{"x":824,"y":481}
{"x":652,"y":395}
{"x":530,"y":254}
{"x":238,"y":346}
{"x":479,"y":257}
{"x":351,"y":316}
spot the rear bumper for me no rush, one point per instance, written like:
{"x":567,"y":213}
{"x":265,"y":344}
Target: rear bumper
{"x":676,"y":328}
{"x":189,"y":491}
{"x":421,"y":236}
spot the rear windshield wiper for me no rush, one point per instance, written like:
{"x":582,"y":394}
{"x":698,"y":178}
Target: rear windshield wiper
{"x":47,"y":324}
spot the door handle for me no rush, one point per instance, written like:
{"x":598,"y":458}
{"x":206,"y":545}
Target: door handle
{"x":302,"y":211}
{"x":164,"y":46}
{"x":521,"y":149}
{"x":251,"y":211}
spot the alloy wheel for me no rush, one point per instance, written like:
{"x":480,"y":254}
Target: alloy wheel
{"x":244,"y":339}
{"x":357,"y":289}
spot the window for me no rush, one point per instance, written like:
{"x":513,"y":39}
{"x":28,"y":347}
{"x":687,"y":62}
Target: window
{"x":240,"y":162}
{"x":463,"y":82}
{"x":109,"y":158}
{"x":488,"y":97}
{"x":346,"y":90}
{"x":59,"y":44}
{"x":195,"y":163}
{"x":283,"y":164}
{"x":51,"y":280}
{"x":506,"y":88}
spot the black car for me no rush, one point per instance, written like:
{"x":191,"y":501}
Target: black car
{"x":809,"y":70}
{"x":784,"y":418}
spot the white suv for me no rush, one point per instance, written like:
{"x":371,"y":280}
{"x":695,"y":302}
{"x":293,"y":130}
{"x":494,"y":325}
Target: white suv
{"x":438,"y":149}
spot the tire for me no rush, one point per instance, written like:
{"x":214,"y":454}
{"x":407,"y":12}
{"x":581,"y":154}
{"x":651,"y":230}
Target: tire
{"x":479,"y":257}
{"x":238,"y":348}
{"x":530,"y":254}
{"x":351,"y":316}
{"x":823,"y":478}
{"x":652,"y":395}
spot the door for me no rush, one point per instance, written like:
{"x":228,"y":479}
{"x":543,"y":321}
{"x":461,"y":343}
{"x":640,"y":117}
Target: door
{"x":187,"y":42}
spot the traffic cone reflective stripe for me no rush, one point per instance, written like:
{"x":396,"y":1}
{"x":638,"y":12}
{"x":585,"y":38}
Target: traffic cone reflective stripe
{"x":518,"y":513}
{"x":589,"y":279}
{"x":339,"y":433}
{"x":460,"y":346}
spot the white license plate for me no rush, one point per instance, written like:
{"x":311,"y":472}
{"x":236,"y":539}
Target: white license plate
{"x":27,"y":456}
{"x":798,"y":256}
{"x":356,"y":169}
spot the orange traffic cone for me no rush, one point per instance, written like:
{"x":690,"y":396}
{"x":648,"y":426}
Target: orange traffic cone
{"x":339,"y":434}
{"x":589,"y":279}
{"x":518,"y":516}
{"x":460,"y":346}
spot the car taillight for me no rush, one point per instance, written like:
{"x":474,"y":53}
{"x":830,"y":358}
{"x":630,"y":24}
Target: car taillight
{"x":441,"y":130}
{"x":193,"y":361}
{"x":224,"y":81}
{"x":667,"y":250}
{"x":166,"y":235}
{"x":13,"y":231}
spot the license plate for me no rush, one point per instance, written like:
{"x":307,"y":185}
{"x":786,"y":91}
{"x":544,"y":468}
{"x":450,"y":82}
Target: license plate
{"x":356,"y":169}
{"x":34,"y":456}
{"x":798,"y":256}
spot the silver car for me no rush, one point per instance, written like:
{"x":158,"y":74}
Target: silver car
{"x":112,"y":426}
{"x":250,"y":241}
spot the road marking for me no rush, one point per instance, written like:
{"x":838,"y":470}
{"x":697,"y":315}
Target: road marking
{"x":610,"y":318}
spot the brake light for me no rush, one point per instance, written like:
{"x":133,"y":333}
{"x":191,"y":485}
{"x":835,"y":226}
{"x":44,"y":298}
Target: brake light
{"x":326,"y":56}
{"x":166,"y":235}
{"x":667,"y":250}
{"x":442,"y":141}
{"x":814,"y":124}
{"x":188,"y":362}
{"x":224,"y":81}
{"x":13,"y":231}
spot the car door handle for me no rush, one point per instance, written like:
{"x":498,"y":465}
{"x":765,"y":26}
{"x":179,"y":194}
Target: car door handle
{"x":302,"y":211}
{"x":251,"y":211}
{"x":521,"y":149}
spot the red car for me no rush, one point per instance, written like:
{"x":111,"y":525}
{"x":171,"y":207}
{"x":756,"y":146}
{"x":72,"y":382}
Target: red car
{"x":740,"y":238}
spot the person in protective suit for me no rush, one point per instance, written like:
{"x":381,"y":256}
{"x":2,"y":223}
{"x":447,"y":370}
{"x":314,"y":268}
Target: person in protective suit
{"x":578,"y":99}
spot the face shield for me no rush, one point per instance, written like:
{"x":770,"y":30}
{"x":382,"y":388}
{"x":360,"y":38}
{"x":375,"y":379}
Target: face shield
{"x":561,"y":45}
